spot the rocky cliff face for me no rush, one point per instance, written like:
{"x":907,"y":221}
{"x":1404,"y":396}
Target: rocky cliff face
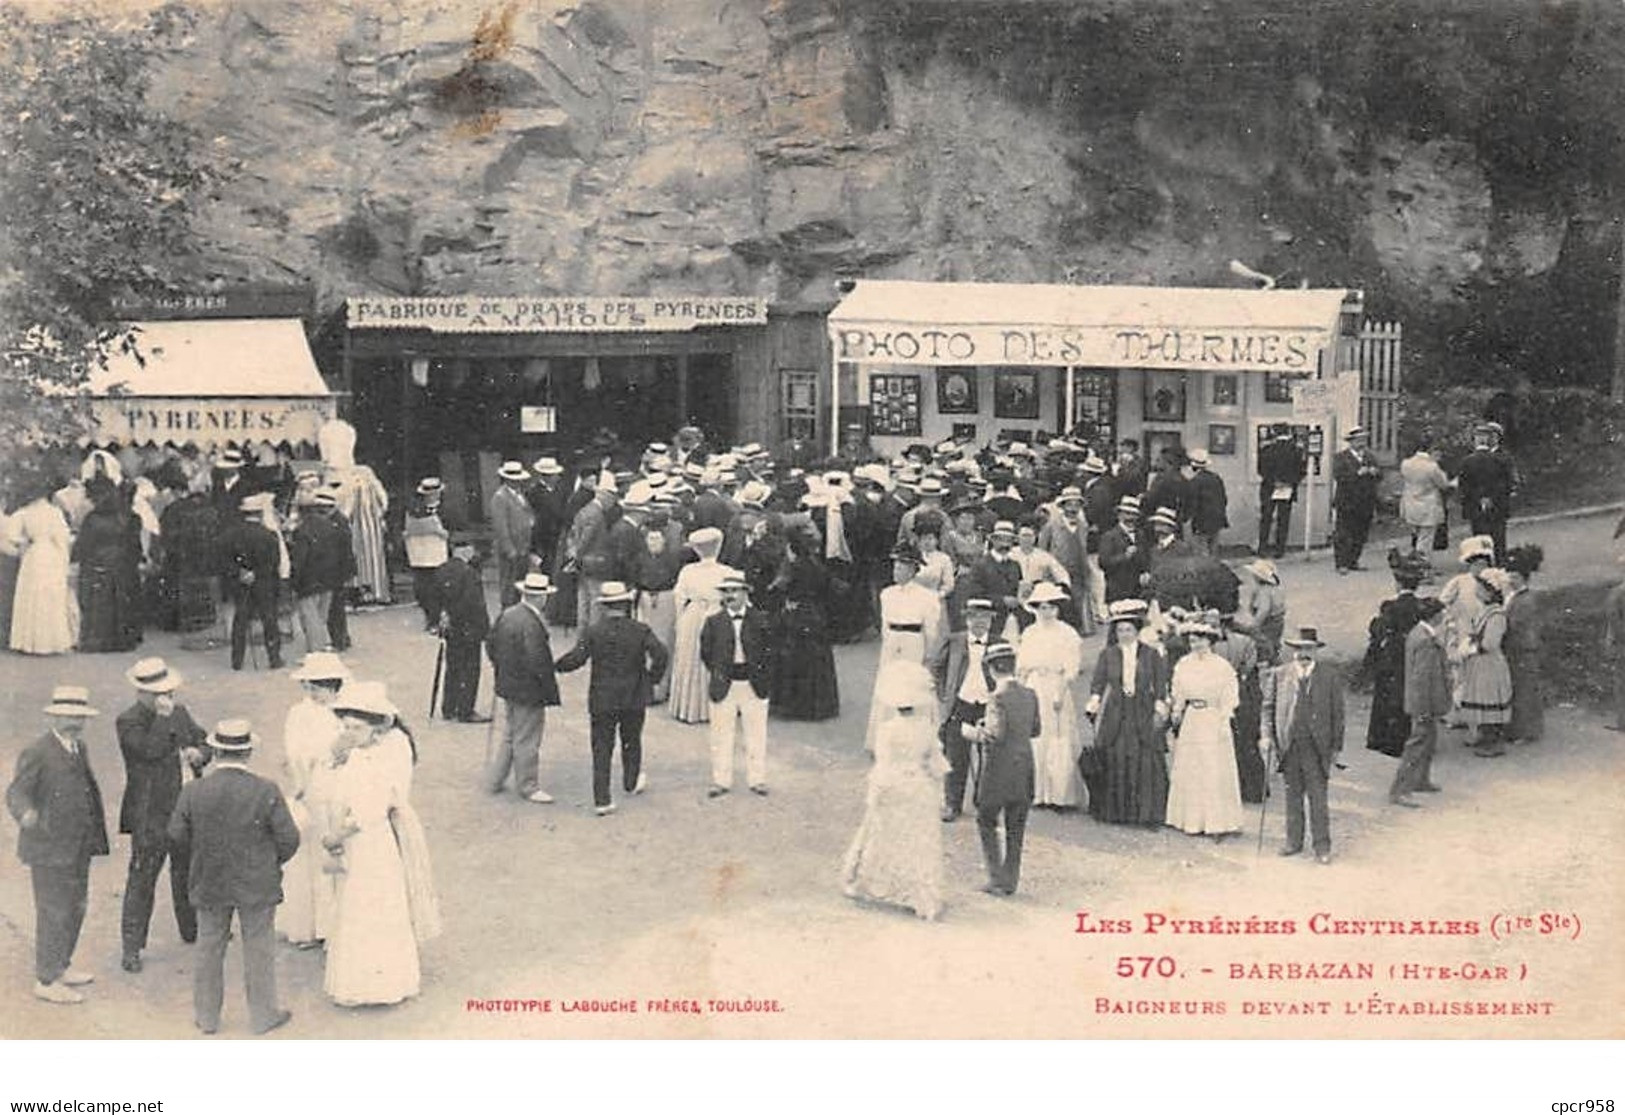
{"x":771,"y":146}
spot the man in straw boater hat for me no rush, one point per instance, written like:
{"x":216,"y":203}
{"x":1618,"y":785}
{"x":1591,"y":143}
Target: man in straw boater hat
{"x":323,"y":561}
{"x":736,"y":646}
{"x":1302,"y":726}
{"x":1355,"y":473}
{"x":427,"y":541}
{"x":155,"y":735}
{"x":234,"y":831}
{"x":253,"y":557}
{"x":548,"y":524}
{"x":463,"y":622}
{"x":522,"y":658}
{"x":1123,"y":564}
{"x":57,"y":805}
{"x":510,"y":529}
{"x":626,"y":659}
{"x":996,"y":575}
{"x":1486,"y":480}
{"x":963,"y":691}
{"x":1004,"y":787}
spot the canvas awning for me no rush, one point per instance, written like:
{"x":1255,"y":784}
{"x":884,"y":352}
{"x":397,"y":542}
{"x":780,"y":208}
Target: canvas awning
{"x":1034,"y":325}
{"x":211,"y":382}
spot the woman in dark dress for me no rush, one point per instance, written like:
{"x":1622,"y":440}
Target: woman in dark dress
{"x":108,"y":551}
{"x":804,"y":686}
{"x":1390,"y":726}
{"x":1125,"y":766}
{"x":1241,"y":652}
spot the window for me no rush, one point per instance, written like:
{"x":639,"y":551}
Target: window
{"x":1278,"y":388}
{"x":798,"y":404}
{"x":894,"y":405}
{"x":1094,"y":408}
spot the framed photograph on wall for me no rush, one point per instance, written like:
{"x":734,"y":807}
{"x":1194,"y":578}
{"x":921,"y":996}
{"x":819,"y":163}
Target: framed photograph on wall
{"x":1164,"y":397}
{"x":894,"y":405}
{"x":1221,"y":441}
{"x":1015,"y":393}
{"x":956,"y":391}
{"x":1226,"y":390}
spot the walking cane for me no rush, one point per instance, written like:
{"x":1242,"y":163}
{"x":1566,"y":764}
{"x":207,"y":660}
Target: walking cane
{"x":439,"y":667}
{"x":1264,"y":807}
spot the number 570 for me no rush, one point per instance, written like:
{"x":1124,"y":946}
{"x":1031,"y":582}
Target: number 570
{"x":1144,"y":967}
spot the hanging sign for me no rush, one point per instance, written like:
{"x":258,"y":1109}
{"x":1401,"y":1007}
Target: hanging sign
{"x":471,"y":313}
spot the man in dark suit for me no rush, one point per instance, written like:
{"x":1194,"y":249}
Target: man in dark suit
{"x":1124,"y":564}
{"x":57,"y":805}
{"x":251,"y":557}
{"x":338,"y":619}
{"x":464,"y":622}
{"x":1004,"y":792}
{"x":155,"y":736}
{"x":736,"y":647}
{"x":547,"y":513}
{"x":1356,"y":473}
{"x":522,"y":659}
{"x":1427,"y":701}
{"x":233,"y":830}
{"x":1486,"y":482}
{"x":1130,"y":472}
{"x":996,"y":575}
{"x":1302,"y":724}
{"x":320,"y":562}
{"x":626,"y":658}
{"x":1281,"y":468}
{"x":1207,"y":505}
{"x":962,"y":691}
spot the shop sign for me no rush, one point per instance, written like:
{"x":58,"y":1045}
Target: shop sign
{"x":485,"y":314}
{"x":208,"y":421}
{"x":538,"y":420}
{"x":246,"y":301}
{"x":1313,"y":398}
{"x":1094,"y":347}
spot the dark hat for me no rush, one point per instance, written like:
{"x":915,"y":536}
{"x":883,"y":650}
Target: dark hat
{"x":1409,"y":567}
{"x":1428,"y":607}
{"x":1525,"y":560}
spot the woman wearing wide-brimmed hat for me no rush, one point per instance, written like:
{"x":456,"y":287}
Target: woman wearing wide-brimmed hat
{"x":1389,"y":726}
{"x":1484,"y":691}
{"x":1204,"y":789}
{"x":1261,"y":609}
{"x":309,"y":734}
{"x":698,"y":595}
{"x":1048,"y":661}
{"x":896,"y":857}
{"x":1126,"y":765}
{"x":387,"y":904}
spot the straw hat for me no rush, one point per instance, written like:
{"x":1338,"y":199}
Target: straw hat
{"x":1000,"y":651}
{"x":1478,"y":546}
{"x":1264,"y":570}
{"x":1045,"y":593}
{"x":614,"y":592}
{"x":1162,"y":517}
{"x":1129,"y":505}
{"x":512,"y":470}
{"x":1070,"y":495}
{"x":370,"y":698}
{"x":233,"y":736}
{"x":71,"y":700}
{"x":547,"y":466}
{"x":733,"y":582}
{"x":1131,"y":611}
{"x":153,"y":675}
{"x":321,"y":665}
{"x":430,"y":485}
{"x":1003,"y":527}
{"x":536,"y":584}
{"x":1306,"y":637}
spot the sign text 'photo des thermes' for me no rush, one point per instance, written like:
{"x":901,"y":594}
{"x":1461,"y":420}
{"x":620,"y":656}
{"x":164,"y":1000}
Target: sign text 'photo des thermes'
{"x":1288,"y":350}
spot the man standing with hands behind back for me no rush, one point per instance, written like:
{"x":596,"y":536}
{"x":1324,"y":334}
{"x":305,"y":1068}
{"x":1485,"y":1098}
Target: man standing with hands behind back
{"x":155,"y":735}
{"x":234,"y":832}
{"x":58,"y":809}
{"x":1303,"y":710}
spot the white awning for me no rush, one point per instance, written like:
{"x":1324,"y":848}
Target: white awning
{"x":212,"y":382}
{"x":1033,"y":325}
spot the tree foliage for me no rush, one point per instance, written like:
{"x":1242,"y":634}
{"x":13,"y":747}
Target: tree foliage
{"x":99,"y":190}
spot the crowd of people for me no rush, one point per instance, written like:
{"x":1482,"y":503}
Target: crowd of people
{"x":715,"y":586}
{"x":335,"y":856}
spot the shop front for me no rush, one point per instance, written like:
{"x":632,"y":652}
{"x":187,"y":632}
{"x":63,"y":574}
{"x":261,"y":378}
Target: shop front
{"x":1173,"y":368}
{"x":454,"y":385}
{"x":210,"y":383}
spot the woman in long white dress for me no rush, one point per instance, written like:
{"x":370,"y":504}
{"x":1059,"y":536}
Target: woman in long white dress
{"x":1048,"y":661}
{"x":911,"y":624}
{"x":697,"y":596}
{"x":386,"y":902}
{"x":310,"y":894}
{"x":1204,"y":789}
{"x":896,"y":856}
{"x":45,"y":615}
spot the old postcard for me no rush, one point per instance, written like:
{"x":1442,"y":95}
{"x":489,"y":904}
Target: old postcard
{"x":799,"y":519}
